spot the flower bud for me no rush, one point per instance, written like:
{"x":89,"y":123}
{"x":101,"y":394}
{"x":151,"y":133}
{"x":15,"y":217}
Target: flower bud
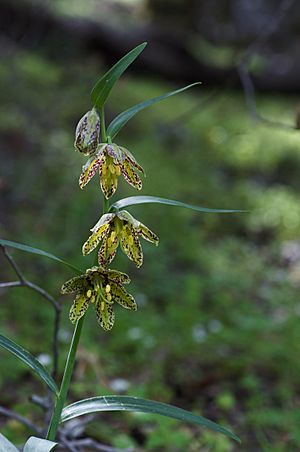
{"x":87,"y":133}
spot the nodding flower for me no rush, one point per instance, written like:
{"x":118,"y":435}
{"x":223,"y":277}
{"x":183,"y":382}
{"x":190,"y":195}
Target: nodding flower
{"x":102,"y":288}
{"x":111,"y":160}
{"x":118,"y":228}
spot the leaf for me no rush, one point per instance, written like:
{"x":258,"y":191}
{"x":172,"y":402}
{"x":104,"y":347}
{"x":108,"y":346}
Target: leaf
{"x":125,"y":403}
{"x":133,"y":200}
{"x":6,"y":446}
{"x":102,"y":88}
{"x":116,"y":125}
{"x":30,"y":360}
{"x":30,"y":249}
{"x":38,"y":445}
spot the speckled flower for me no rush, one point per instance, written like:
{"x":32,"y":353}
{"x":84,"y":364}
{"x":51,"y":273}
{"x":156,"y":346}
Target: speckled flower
{"x":102,"y":288}
{"x":87,"y":133}
{"x":111,"y":161}
{"x":115,"y":228}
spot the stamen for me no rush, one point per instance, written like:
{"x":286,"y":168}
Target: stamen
{"x":107,"y":288}
{"x":118,"y":170}
{"x":109,"y":297}
{"x":111,"y":168}
{"x":89,"y":293}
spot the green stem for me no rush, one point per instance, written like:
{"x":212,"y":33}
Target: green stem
{"x":55,"y":420}
{"x":102,"y":126}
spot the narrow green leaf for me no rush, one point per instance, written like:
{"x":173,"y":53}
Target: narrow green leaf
{"x":29,"y":360}
{"x":38,"y":445}
{"x":6,"y":446}
{"x":103,"y":87}
{"x":30,"y":249}
{"x":125,"y":403}
{"x":133,"y":200}
{"x":116,"y":125}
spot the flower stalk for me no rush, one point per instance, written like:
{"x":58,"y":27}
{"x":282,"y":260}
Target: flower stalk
{"x":55,"y":420}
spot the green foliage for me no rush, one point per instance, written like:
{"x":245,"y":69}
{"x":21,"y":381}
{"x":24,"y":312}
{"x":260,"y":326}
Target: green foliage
{"x":231,"y":301}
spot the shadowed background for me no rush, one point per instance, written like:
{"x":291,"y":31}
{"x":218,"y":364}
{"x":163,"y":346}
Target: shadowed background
{"x":217,"y":326}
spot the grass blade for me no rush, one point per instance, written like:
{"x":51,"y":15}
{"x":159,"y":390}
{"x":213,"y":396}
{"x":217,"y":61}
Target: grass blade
{"x":103,"y":87}
{"x":30,"y":249}
{"x":134,"y":200}
{"x":120,"y":121}
{"x":125,"y":403}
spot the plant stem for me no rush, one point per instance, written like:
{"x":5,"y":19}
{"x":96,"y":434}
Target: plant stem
{"x":102,"y":126}
{"x":54,"y":423}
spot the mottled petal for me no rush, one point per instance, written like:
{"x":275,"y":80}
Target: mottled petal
{"x":108,"y":248}
{"x":79,"y":307}
{"x":130,"y":175}
{"x":147,"y":234}
{"x":131,"y":245}
{"x":94,"y":239}
{"x":132,"y":160}
{"x":121,"y":296}
{"x":108,"y":180}
{"x":89,"y":169}
{"x":118,"y":277}
{"x":105,"y":315}
{"x":73,"y":285}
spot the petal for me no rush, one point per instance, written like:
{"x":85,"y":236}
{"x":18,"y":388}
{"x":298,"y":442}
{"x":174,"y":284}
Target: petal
{"x":114,"y":152}
{"x":108,"y":248}
{"x":105,"y":315}
{"x":89,"y":169}
{"x":132,"y":160}
{"x":131,"y":245}
{"x":74,"y":284}
{"x":118,"y":277}
{"x":94,"y":239}
{"x":79,"y":307}
{"x":108,"y":180}
{"x":121,"y":296}
{"x":131,"y":176}
{"x":147,"y":234}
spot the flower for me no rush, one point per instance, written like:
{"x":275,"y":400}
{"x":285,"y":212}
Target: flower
{"x":102,"y":288}
{"x":115,"y":228}
{"x":111,"y":161}
{"x":87,"y":133}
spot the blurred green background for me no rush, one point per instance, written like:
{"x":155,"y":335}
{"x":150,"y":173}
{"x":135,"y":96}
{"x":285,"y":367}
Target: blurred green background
{"x":217,"y":330}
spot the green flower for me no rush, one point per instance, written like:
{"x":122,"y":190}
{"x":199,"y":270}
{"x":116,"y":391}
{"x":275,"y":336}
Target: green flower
{"x":115,"y":228}
{"x":102,"y":288}
{"x":111,"y":161}
{"x":87,"y":133}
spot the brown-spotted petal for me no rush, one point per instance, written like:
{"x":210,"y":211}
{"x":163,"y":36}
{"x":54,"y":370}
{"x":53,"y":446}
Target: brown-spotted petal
{"x":108,"y":180}
{"x":130,"y":175}
{"x":99,"y":231}
{"x":105,"y":315}
{"x":131,"y":245}
{"x":74,"y":284}
{"x":147,"y":234}
{"x":132,"y":160}
{"x":108,"y":248}
{"x":89,"y":169}
{"x":79,"y":307}
{"x":118,"y":277}
{"x":121,"y":296}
